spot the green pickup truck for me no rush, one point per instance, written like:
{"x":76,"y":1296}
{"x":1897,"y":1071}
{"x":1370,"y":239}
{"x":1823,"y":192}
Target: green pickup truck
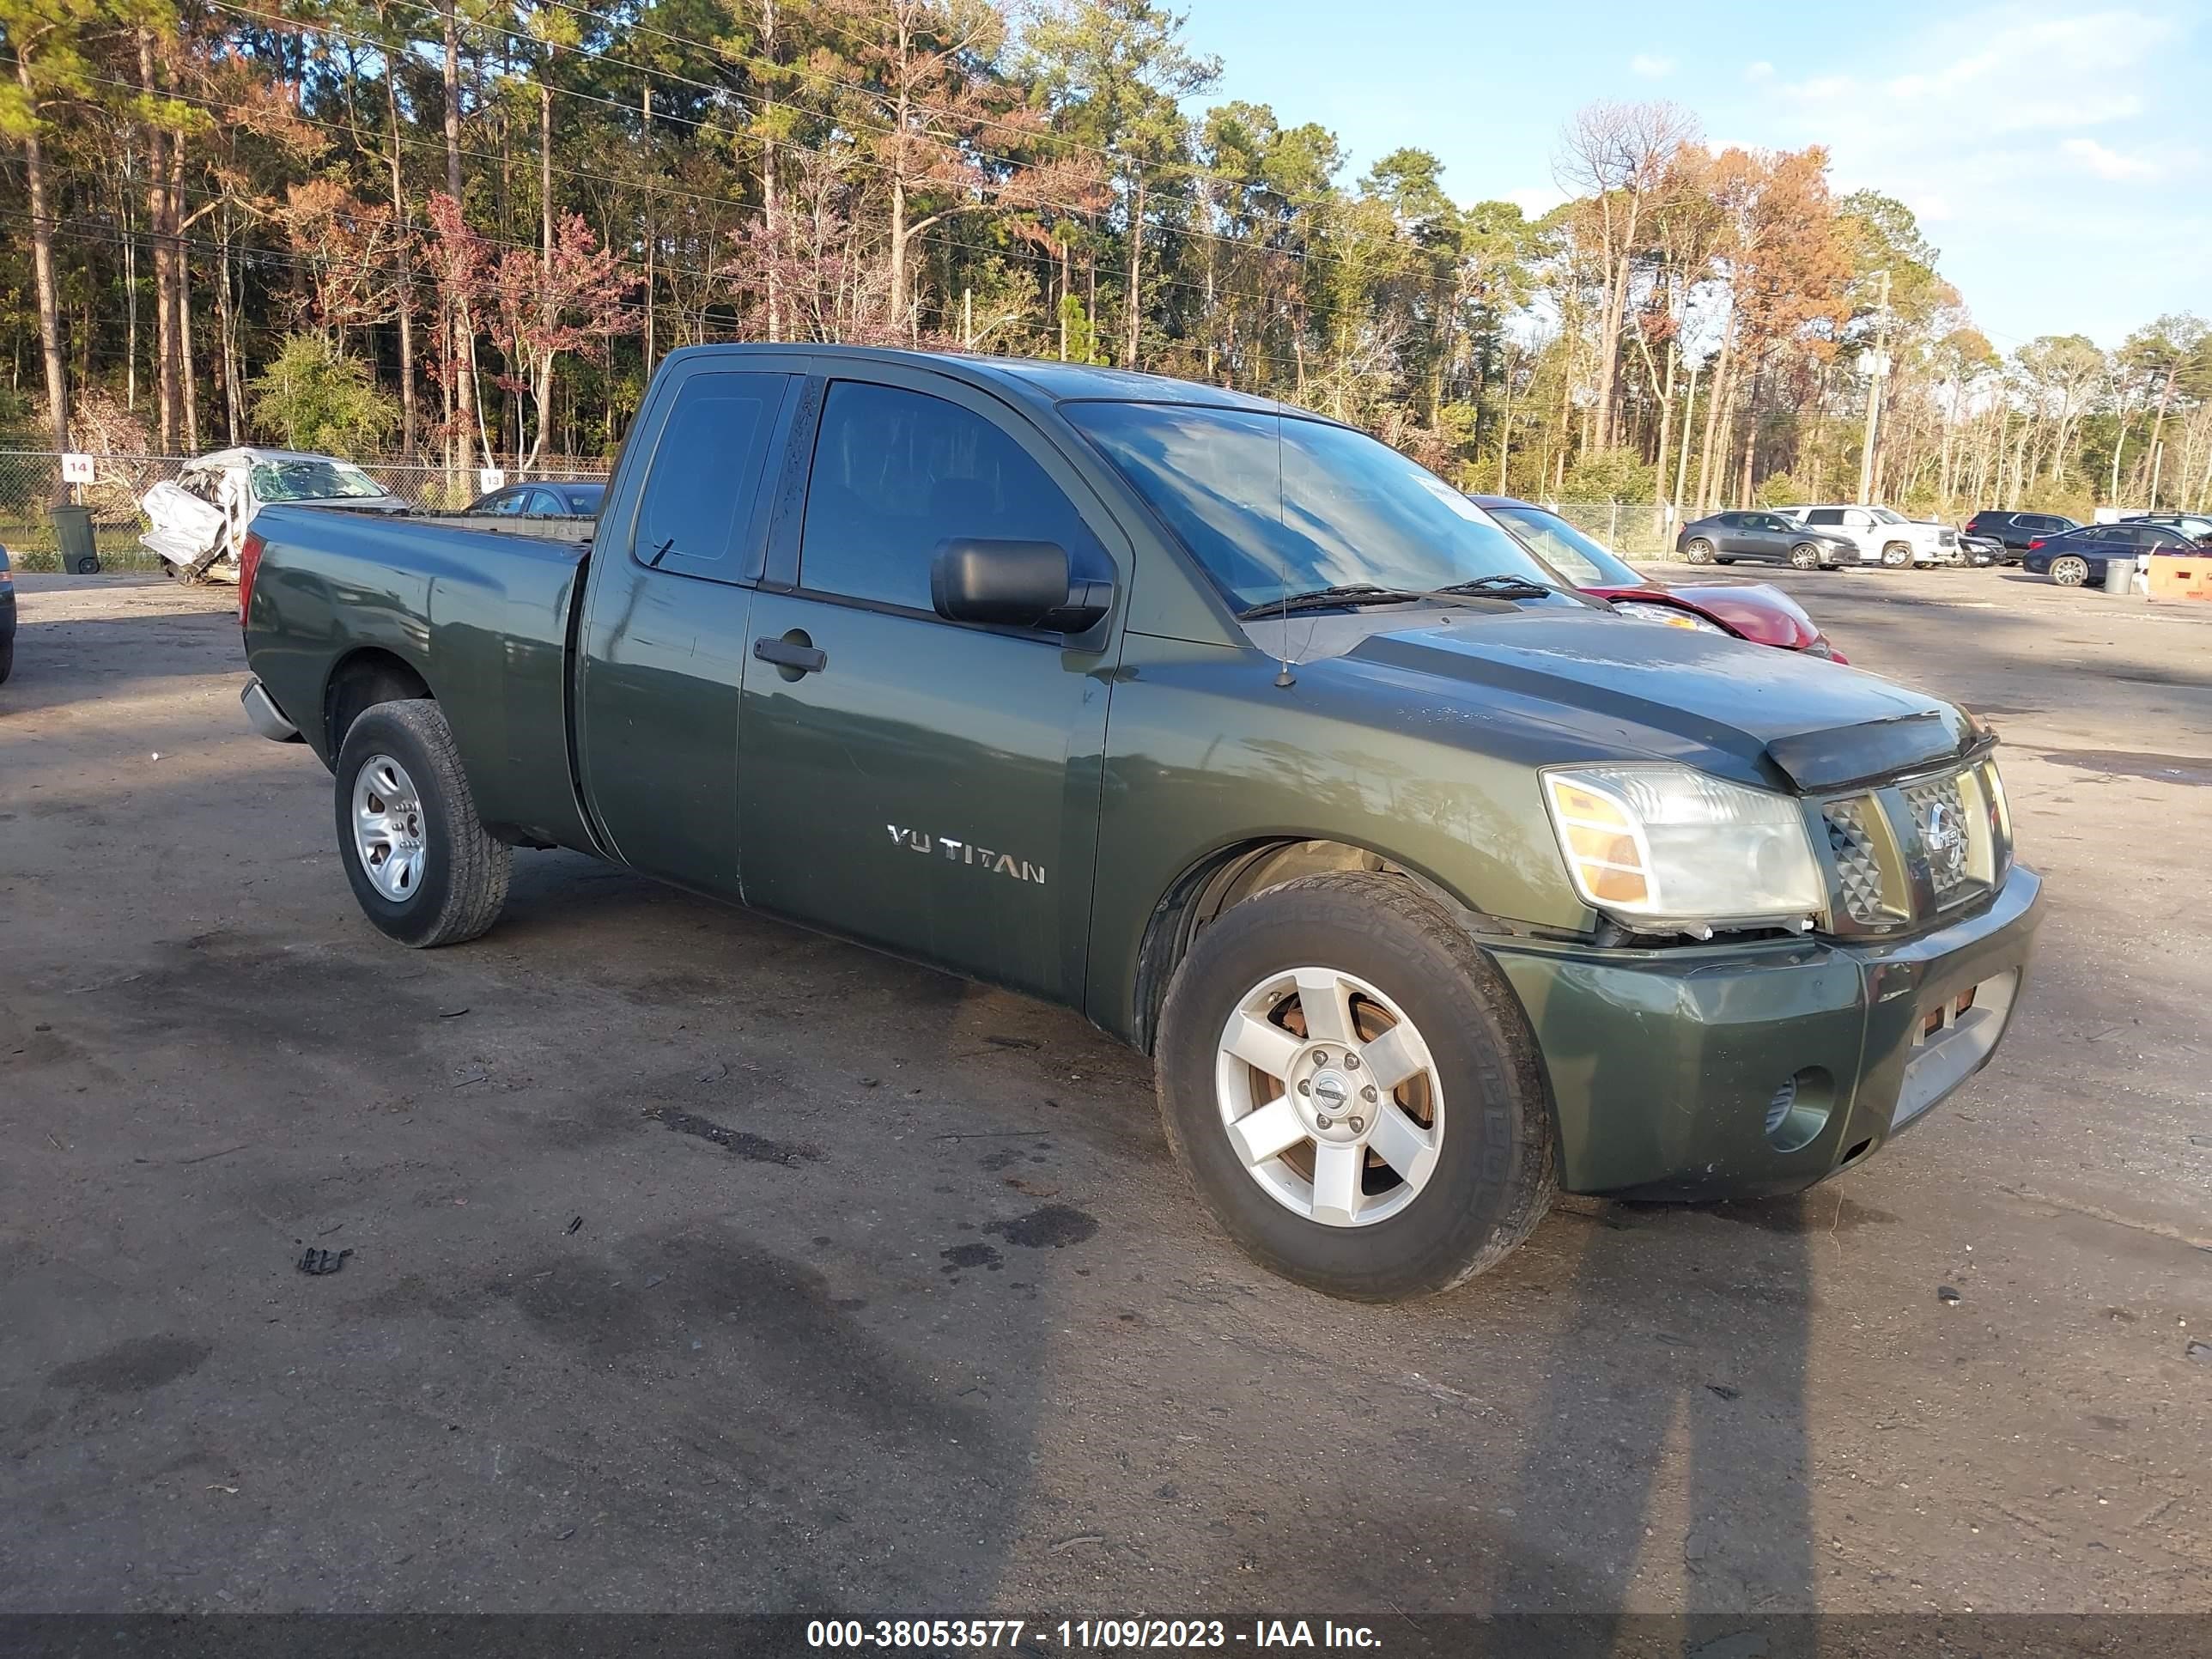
{"x":1431,"y":886}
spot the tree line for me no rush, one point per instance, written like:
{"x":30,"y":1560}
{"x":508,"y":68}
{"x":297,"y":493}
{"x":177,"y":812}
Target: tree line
{"x":465,"y":231}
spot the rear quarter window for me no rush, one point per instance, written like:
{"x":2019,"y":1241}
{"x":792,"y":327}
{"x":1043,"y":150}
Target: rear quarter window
{"x":697,"y":503}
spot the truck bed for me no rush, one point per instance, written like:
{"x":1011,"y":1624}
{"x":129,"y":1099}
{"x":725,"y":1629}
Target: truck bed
{"x":478,"y":603}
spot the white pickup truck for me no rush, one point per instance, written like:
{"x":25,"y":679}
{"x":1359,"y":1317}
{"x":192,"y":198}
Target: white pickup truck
{"x":1884,"y":538}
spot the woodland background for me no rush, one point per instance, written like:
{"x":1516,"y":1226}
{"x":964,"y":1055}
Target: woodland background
{"x":462,"y":233}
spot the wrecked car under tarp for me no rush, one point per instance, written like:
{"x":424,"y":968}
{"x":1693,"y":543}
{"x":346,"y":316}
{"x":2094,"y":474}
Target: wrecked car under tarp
{"x":199,"y":520}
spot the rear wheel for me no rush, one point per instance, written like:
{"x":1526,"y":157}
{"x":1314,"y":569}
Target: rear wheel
{"x":1805,"y":557}
{"x":1352,"y":1088}
{"x":1896,"y":555}
{"x":2070,"y":571}
{"x":420,"y":863}
{"x":1697,"y":550}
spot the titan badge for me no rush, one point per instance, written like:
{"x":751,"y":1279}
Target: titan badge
{"x":967,"y":852}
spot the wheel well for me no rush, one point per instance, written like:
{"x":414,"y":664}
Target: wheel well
{"x":362,"y":681}
{"x":1227,"y":878}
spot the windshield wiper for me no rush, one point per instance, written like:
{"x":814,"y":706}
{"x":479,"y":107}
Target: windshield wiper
{"x":1320,"y":598}
{"x":1501,"y":588}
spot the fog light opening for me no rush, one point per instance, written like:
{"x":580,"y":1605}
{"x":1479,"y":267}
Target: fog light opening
{"x":1857,"y":1153}
{"x":1798,"y":1110}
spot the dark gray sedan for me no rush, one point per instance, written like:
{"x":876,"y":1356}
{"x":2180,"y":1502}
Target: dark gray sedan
{"x":1724,"y":538}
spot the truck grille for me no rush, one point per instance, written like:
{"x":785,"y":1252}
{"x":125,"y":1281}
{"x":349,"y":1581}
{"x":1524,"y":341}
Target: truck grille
{"x":1909,"y":851}
{"x":1858,"y":872}
{"x":1941,"y":799}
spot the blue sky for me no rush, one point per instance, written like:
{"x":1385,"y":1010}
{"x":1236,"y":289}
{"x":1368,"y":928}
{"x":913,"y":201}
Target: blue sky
{"x":2059,"y":155}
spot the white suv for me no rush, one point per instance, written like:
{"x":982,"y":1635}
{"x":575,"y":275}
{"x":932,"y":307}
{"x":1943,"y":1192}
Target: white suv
{"x":1884,"y":538}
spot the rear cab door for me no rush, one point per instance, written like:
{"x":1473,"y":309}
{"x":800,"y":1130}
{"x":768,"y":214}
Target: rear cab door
{"x":928,"y":786}
{"x":662,"y":634}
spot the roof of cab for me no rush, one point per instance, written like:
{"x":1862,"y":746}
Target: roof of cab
{"x":1033,"y":379}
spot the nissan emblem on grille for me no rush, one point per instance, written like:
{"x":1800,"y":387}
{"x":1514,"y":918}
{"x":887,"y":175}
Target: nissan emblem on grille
{"x":1944,"y":836}
{"x":1938,"y":814}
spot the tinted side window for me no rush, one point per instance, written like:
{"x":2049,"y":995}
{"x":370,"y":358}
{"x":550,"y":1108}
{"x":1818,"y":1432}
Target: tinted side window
{"x":698,"y":499}
{"x":1824,"y":515}
{"x":896,"y":473}
{"x":508,"y":501}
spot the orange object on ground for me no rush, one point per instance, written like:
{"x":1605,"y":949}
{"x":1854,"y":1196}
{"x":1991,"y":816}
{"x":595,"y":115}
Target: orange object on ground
{"x":2186,"y":576}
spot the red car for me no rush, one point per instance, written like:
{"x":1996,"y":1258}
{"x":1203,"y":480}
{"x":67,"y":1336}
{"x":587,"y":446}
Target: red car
{"x":1749,"y":610}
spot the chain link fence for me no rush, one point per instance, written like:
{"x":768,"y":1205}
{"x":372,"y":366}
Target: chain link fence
{"x":1635,"y":530}
{"x":31,"y":479}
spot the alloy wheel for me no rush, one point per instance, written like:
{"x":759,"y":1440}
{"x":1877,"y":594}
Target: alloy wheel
{"x":387,"y":828}
{"x":1329,"y":1097}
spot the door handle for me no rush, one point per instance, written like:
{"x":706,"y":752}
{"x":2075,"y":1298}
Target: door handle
{"x":794,"y":654}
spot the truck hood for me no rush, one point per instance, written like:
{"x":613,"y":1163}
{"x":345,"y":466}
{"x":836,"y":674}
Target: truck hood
{"x":1671,"y":692}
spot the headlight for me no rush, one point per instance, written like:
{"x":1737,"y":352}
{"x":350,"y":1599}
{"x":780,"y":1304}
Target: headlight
{"x":1669,"y":616}
{"x":1662,"y":848}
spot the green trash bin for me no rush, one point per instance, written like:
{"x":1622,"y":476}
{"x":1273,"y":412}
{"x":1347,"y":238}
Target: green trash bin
{"x":73,"y":535}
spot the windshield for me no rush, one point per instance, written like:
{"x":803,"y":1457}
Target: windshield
{"x":1883,"y":515}
{"x":310,"y":480}
{"x":1583,"y":560}
{"x":1274,"y":506}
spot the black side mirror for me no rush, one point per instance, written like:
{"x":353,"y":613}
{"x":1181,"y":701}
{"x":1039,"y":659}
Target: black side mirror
{"x":1016,"y":584}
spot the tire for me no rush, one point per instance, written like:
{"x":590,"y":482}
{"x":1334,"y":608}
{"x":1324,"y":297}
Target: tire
{"x":7,"y":659}
{"x":2069,"y":570}
{"x":448,"y":877}
{"x":1805,"y":557}
{"x":1697,"y":550}
{"x":1484,"y":1176}
{"x":1896,"y":555}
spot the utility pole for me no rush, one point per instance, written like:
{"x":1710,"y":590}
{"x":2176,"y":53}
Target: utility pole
{"x":1876,"y":363}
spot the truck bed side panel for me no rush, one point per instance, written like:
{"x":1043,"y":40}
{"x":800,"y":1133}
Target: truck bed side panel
{"x":483,"y":617}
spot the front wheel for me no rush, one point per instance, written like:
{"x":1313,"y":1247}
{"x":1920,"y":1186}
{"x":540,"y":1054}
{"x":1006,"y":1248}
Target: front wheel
{"x":421,"y":865}
{"x":1896,"y":556}
{"x":1697,"y":550}
{"x":2070,"y":571}
{"x":1805,"y":557}
{"x":1352,"y":1088}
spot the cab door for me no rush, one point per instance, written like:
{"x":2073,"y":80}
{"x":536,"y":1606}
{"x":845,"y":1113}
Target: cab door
{"x":663,"y":640}
{"x":928,"y":786}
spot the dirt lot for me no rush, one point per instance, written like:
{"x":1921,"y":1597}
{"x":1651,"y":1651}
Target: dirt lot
{"x":699,"y":1263}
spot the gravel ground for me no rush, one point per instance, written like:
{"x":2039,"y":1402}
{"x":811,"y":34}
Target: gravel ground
{"x":701,"y":1264}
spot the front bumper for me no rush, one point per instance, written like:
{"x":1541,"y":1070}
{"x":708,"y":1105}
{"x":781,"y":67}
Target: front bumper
{"x":1665,"y":1065}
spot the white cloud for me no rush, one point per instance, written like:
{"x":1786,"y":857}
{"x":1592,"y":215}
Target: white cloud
{"x":1649,"y":67}
{"x":1538,"y":201}
{"x":1762,"y":71}
{"x":2108,"y":163}
{"x":1955,"y":139}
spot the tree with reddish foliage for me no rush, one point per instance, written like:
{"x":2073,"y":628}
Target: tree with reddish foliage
{"x":460,"y":269}
{"x":350,"y":252}
{"x":542,"y":307}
